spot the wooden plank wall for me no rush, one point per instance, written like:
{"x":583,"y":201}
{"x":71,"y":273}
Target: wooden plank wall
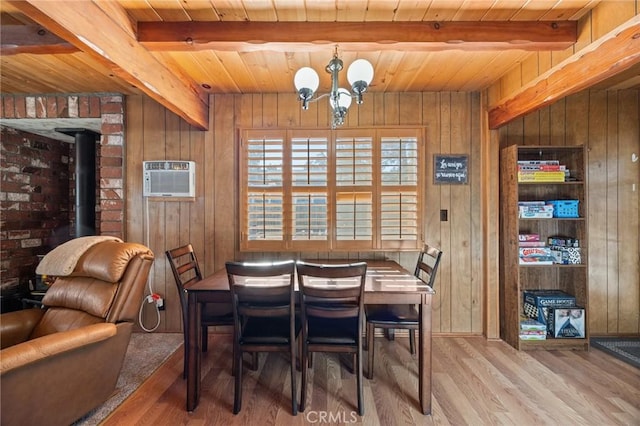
{"x":608,"y":124}
{"x":452,"y":126}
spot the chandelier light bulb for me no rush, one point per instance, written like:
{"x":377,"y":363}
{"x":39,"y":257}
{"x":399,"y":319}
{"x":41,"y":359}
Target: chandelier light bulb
{"x":306,"y":81}
{"x":306,"y":78}
{"x":360,"y":70}
{"x":344,"y":99}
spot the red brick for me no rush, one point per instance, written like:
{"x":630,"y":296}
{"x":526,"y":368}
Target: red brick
{"x":8,"y":109}
{"x":12,"y":187}
{"x":112,"y":215}
{"x":94,"y":107}
{"x":83,"y":106}
{"x":111,"y":226}
{"x":39,"y":198}
{"x":111,"y":172}
{"x":111,"y":161}
{"x":20,"y":107}
{"x":10,"y":216}
{"x":7,"y":244}
{"x":112,"y":108}
{"x":106,"y":205}
{"x":111,"y":151}
{"x":52,"y":107}
{"x":111,"y":129}
{"x":10,"y":144}
{"x":63,"y":109}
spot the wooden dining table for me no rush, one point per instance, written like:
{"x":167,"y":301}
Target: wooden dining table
{"x":386,"y":283}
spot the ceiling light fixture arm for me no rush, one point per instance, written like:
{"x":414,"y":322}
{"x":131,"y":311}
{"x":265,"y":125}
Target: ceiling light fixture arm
{"x":334,"y":67}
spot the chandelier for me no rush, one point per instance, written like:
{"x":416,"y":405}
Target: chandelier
{"x":359,"y":75}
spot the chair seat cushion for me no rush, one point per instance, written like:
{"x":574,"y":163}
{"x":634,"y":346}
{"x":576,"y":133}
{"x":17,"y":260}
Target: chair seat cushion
{"x":217,"y":314}
{"x":392,"y":314}
{"x":273,"y":330}
{"x":333,"y":331}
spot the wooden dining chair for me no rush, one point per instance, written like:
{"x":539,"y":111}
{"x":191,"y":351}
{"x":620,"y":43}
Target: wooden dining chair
{"x":332,"y":313}
{"x":400,"y":316}
{"x":186,"y":270}
{"x":264,"y":313}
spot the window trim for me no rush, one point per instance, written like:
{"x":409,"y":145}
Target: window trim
{"x":376,"y":189}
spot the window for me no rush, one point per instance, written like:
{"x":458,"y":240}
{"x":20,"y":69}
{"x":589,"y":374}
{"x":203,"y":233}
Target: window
{"x":309,"y":189}
{"x":345,"y":189}
{"x":399,"y":201}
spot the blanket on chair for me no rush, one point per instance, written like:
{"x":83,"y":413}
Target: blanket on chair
{"x":62,"y":260}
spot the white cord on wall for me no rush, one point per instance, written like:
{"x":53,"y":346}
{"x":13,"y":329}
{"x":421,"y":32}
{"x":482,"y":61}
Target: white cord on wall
{"x":148,"y":298}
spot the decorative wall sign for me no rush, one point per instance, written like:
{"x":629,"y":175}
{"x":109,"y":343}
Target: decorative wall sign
{"x":450,"y":169}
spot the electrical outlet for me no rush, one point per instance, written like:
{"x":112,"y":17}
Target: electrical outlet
{"x":157,"y":299}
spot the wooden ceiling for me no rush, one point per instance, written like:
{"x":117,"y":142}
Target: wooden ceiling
{"x":179,"y":51}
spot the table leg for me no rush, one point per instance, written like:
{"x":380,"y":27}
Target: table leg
{"x":193,"y":352}
{"x":424,"y":361}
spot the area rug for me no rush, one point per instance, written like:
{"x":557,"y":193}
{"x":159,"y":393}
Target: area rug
{"x":146,"y":352}
{"x":625,"y":349}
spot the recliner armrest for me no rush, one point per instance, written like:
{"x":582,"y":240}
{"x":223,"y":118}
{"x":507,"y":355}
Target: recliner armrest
{"x":43,"y":347}
{"x":16,"y":327}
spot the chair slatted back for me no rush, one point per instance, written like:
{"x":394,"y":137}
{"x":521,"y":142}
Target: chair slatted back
{"x":262,"y":289}
{"x":185,"y":269}
{"x":427,"y":265}
{"x":331,"y":291}
{"x":184,"y":265}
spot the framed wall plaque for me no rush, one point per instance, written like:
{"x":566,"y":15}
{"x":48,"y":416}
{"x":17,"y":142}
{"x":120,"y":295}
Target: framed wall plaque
{"x":451,"y":169}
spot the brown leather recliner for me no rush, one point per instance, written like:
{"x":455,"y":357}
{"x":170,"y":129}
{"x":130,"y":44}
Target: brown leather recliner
{"x":60,"y":362}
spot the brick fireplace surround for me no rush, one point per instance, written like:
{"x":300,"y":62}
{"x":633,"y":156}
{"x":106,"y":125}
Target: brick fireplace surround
{"x":34,"y":171}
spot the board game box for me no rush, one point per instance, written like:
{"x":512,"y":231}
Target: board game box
{"x":566,"y":323}
{"x":538,"y":302}
{"x":566,"y":255}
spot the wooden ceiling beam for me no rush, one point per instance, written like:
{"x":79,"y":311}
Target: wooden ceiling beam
{"x":611,"y":54}
{"x":103,"y":31}
{"x":360,"y":36}
{"x":32,"y":39}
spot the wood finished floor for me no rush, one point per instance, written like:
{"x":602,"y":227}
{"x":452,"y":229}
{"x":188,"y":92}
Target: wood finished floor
{"x":475,"y":382}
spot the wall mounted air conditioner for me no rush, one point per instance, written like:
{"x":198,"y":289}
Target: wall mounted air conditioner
{"x":169,"y":178}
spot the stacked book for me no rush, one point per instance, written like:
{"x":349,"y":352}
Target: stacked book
{"x":542,"y":171}
{"x":532,"y":251}
{"x":535,"y":210}
{"x":531,"y":329}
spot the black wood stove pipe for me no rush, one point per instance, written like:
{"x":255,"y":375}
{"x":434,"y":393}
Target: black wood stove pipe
{"x":85,"y":171}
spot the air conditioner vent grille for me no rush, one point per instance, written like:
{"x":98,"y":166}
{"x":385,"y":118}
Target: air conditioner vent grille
{"x":169,"y":178}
